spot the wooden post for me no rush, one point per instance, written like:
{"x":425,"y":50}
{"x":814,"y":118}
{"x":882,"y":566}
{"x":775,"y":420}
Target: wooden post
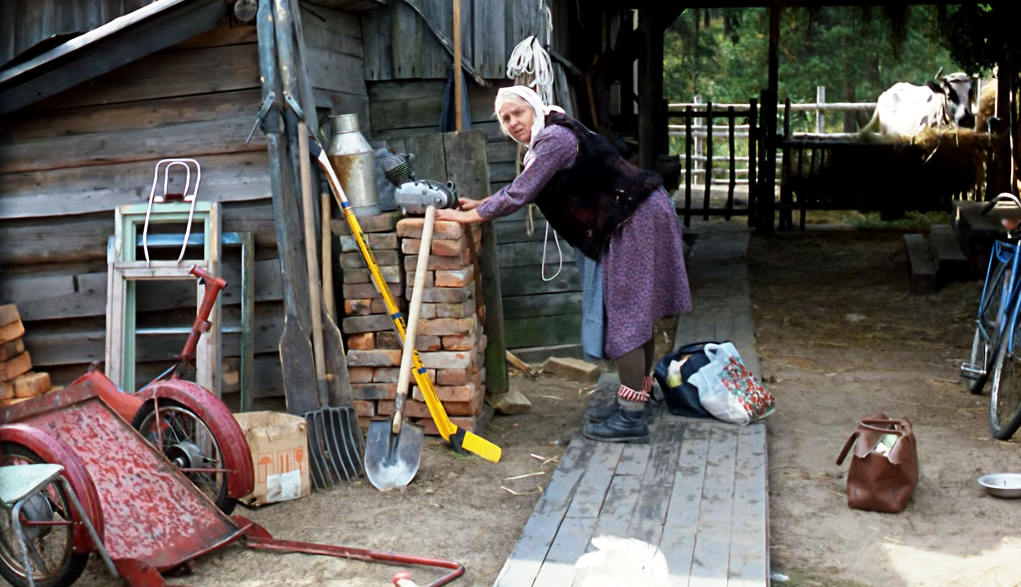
{"x":708,"y":159}
{"x":689,"y":164}
{"x":733,"y":161}
{"x":753,"y":161}
{"x":651,"y":97}
{"x":458,"y":106}
{"x":820,"y":116}
{"x":699,"y":165}
{"x":768,"y":197}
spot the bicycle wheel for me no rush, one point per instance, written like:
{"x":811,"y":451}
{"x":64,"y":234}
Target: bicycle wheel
{"x":1005,"y":396}
{"x":189,"y":444}
{"x":984,"y":345}
{"x":50,"y":547}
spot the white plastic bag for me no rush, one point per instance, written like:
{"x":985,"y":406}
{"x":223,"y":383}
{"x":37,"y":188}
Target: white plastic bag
{"x":728,"y":390}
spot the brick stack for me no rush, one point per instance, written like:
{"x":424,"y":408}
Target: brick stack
{"x":449,"y":339}
{"x":373,"y":349}
{"x":17,"y":380}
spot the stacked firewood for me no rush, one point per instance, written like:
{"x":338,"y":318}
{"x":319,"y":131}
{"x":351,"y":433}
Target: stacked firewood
{"x":17,"y":379}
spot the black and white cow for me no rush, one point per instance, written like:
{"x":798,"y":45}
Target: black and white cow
{"x":905,"y":109}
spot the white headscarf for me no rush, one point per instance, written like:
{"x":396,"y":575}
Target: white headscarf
{"x":540,"y":110}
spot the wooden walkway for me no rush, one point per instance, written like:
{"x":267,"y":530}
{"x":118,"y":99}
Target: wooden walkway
{"x":698,"y":490}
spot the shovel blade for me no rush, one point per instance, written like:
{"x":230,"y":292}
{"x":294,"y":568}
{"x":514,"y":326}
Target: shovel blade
{"x":391,"y":460}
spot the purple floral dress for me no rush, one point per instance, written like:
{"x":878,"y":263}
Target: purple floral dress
{"x":644,"y":278}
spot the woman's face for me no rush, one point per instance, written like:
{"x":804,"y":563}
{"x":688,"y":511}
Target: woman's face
{"x":517,"y":118}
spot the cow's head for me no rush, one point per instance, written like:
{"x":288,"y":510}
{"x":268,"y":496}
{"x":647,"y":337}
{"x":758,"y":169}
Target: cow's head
{"x":960,"y":90}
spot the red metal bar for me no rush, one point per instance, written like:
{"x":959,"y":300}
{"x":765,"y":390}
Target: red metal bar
{"x":213,"y":286}
{"x":257,"y":538}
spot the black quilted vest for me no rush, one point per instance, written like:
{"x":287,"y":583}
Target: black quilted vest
{"x":590,"y":200}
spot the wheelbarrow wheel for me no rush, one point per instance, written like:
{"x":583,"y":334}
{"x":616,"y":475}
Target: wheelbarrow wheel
{"x":189,"y":444}
{"x":50,"y":547}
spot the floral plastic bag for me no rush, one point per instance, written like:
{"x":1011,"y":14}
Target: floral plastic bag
{"x":728,"y":390}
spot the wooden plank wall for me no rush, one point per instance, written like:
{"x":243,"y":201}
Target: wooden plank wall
{"x":537,"y":313}
{"x":405,"y":48}
{"x":23,"y":23}
{"x":69,"y":161}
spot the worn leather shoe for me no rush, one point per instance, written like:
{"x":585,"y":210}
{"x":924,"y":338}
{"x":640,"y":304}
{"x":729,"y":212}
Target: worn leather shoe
{"x":624,"y":426}
{"x":604,"y":413}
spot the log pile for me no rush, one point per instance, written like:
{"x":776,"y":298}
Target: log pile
{"x":18,"y":381}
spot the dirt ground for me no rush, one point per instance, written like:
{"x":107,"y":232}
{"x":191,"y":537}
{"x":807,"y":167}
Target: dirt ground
{"x":839,"y":338}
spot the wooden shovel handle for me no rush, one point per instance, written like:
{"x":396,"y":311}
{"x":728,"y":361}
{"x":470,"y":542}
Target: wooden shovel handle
{"x":416,"y":304}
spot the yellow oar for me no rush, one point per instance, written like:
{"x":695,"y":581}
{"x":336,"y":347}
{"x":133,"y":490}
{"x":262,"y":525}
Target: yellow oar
{"x":458,"y":438}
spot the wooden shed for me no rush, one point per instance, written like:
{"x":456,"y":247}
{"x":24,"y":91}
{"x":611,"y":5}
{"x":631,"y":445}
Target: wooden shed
{"x":94,"y":92}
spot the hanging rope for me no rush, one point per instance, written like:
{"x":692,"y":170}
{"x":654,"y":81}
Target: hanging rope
{"x":530,"y":61}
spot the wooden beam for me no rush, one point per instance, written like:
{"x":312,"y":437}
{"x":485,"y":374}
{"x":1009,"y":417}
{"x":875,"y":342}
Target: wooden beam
{"x":121,"y":47}
{"x":651,"y":109}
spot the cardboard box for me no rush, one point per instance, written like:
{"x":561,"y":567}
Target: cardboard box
{"x":279,"y":445}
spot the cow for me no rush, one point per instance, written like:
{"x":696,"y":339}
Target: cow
{"x":906,"y":109}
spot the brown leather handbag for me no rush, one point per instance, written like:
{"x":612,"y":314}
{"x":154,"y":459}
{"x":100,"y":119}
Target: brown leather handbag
{"x":884,"y":470}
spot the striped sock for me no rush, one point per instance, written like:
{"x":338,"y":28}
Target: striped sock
{"x":630,"y":395}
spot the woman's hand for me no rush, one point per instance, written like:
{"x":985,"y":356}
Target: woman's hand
{"x":464,"y":217}
{"x":467,"y":205}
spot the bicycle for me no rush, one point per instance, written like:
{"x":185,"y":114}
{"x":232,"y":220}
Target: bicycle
{"x":997,"y":335}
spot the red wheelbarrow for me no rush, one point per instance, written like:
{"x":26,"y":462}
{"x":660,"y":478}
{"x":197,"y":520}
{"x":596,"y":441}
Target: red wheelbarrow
{"x":149,"y":517}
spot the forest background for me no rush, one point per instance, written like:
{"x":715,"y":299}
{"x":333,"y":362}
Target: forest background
{"x":720,"y":54}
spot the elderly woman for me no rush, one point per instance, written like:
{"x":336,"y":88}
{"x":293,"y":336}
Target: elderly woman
{"x":624,"y":226}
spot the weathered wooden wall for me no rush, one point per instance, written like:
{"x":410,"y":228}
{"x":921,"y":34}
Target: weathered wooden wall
{"x":537,"y":313}
{"x":23,"y":23}
{"x":69,"y":161}
{"x":405,"y":47}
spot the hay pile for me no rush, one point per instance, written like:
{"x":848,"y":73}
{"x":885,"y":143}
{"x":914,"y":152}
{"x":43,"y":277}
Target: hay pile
{"x":875,"y":172}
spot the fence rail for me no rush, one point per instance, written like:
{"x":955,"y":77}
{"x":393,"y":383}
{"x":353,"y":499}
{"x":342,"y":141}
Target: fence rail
{"x":703,"y":132}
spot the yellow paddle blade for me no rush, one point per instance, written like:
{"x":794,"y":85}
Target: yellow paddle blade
{"x":477,"y":445}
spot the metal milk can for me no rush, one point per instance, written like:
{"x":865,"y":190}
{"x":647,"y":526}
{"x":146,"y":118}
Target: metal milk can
{"x":355,"y":164}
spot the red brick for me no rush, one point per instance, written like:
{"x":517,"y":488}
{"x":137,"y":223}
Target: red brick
{"x":447,"y":326}
{"x":445,"y":360}
{"x":462,"y":310}
{"x":364,"y":341}
{"x":368,"y":290}
{"x":373,"y":323}
{"x":391,"y":274}
{"x":459,"y":343}
{"x":430,"y":278}
{"x":375,"y":358}
{"x":373,"y":391}
{"x":442,"y":248}
{"x":360,"y":374}
{"x":364,"y":409}
{"x":356,"y":307}
{"x":412,"y":409}
{"x":435,"y":262}
{"x":383,"y":241}
{"x":469,"y":402}
{"x":389,"y":340}
{"x":455,"y":277}
{"x":442,"y":229}
{"x":386,"y":374}
{"x":427,"y":311}
{"x":379,"y":307}
{"x":384,"y":222}
{"x":383,"y":258}
{"x":455,"y":393}
{"x":445,"y":295}
{"x":452,"y":376}
{"x":356,"y":276}
{"x":462,"y":422}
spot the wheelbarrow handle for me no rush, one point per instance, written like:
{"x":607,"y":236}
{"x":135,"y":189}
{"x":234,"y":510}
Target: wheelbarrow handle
{"x":213,"y":286}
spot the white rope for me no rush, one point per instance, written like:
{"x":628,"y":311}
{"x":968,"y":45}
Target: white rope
{"x":529,"y":58}
{"x":545,"y":242}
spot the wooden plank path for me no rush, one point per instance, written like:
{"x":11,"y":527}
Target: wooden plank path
{"x":698,"y":491}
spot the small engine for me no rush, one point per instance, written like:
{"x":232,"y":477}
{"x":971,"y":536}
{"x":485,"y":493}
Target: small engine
{"x":415,"y":195}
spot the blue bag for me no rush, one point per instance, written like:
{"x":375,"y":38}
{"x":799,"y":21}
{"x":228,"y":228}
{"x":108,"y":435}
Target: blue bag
{"x":682,"y":400}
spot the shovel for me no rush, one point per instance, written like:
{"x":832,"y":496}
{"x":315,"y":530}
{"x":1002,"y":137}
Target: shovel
{"x":393,"y":449}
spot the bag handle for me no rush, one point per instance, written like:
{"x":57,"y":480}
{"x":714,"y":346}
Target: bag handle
{"x":847,"y":447}
{"x":873,"y":425}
